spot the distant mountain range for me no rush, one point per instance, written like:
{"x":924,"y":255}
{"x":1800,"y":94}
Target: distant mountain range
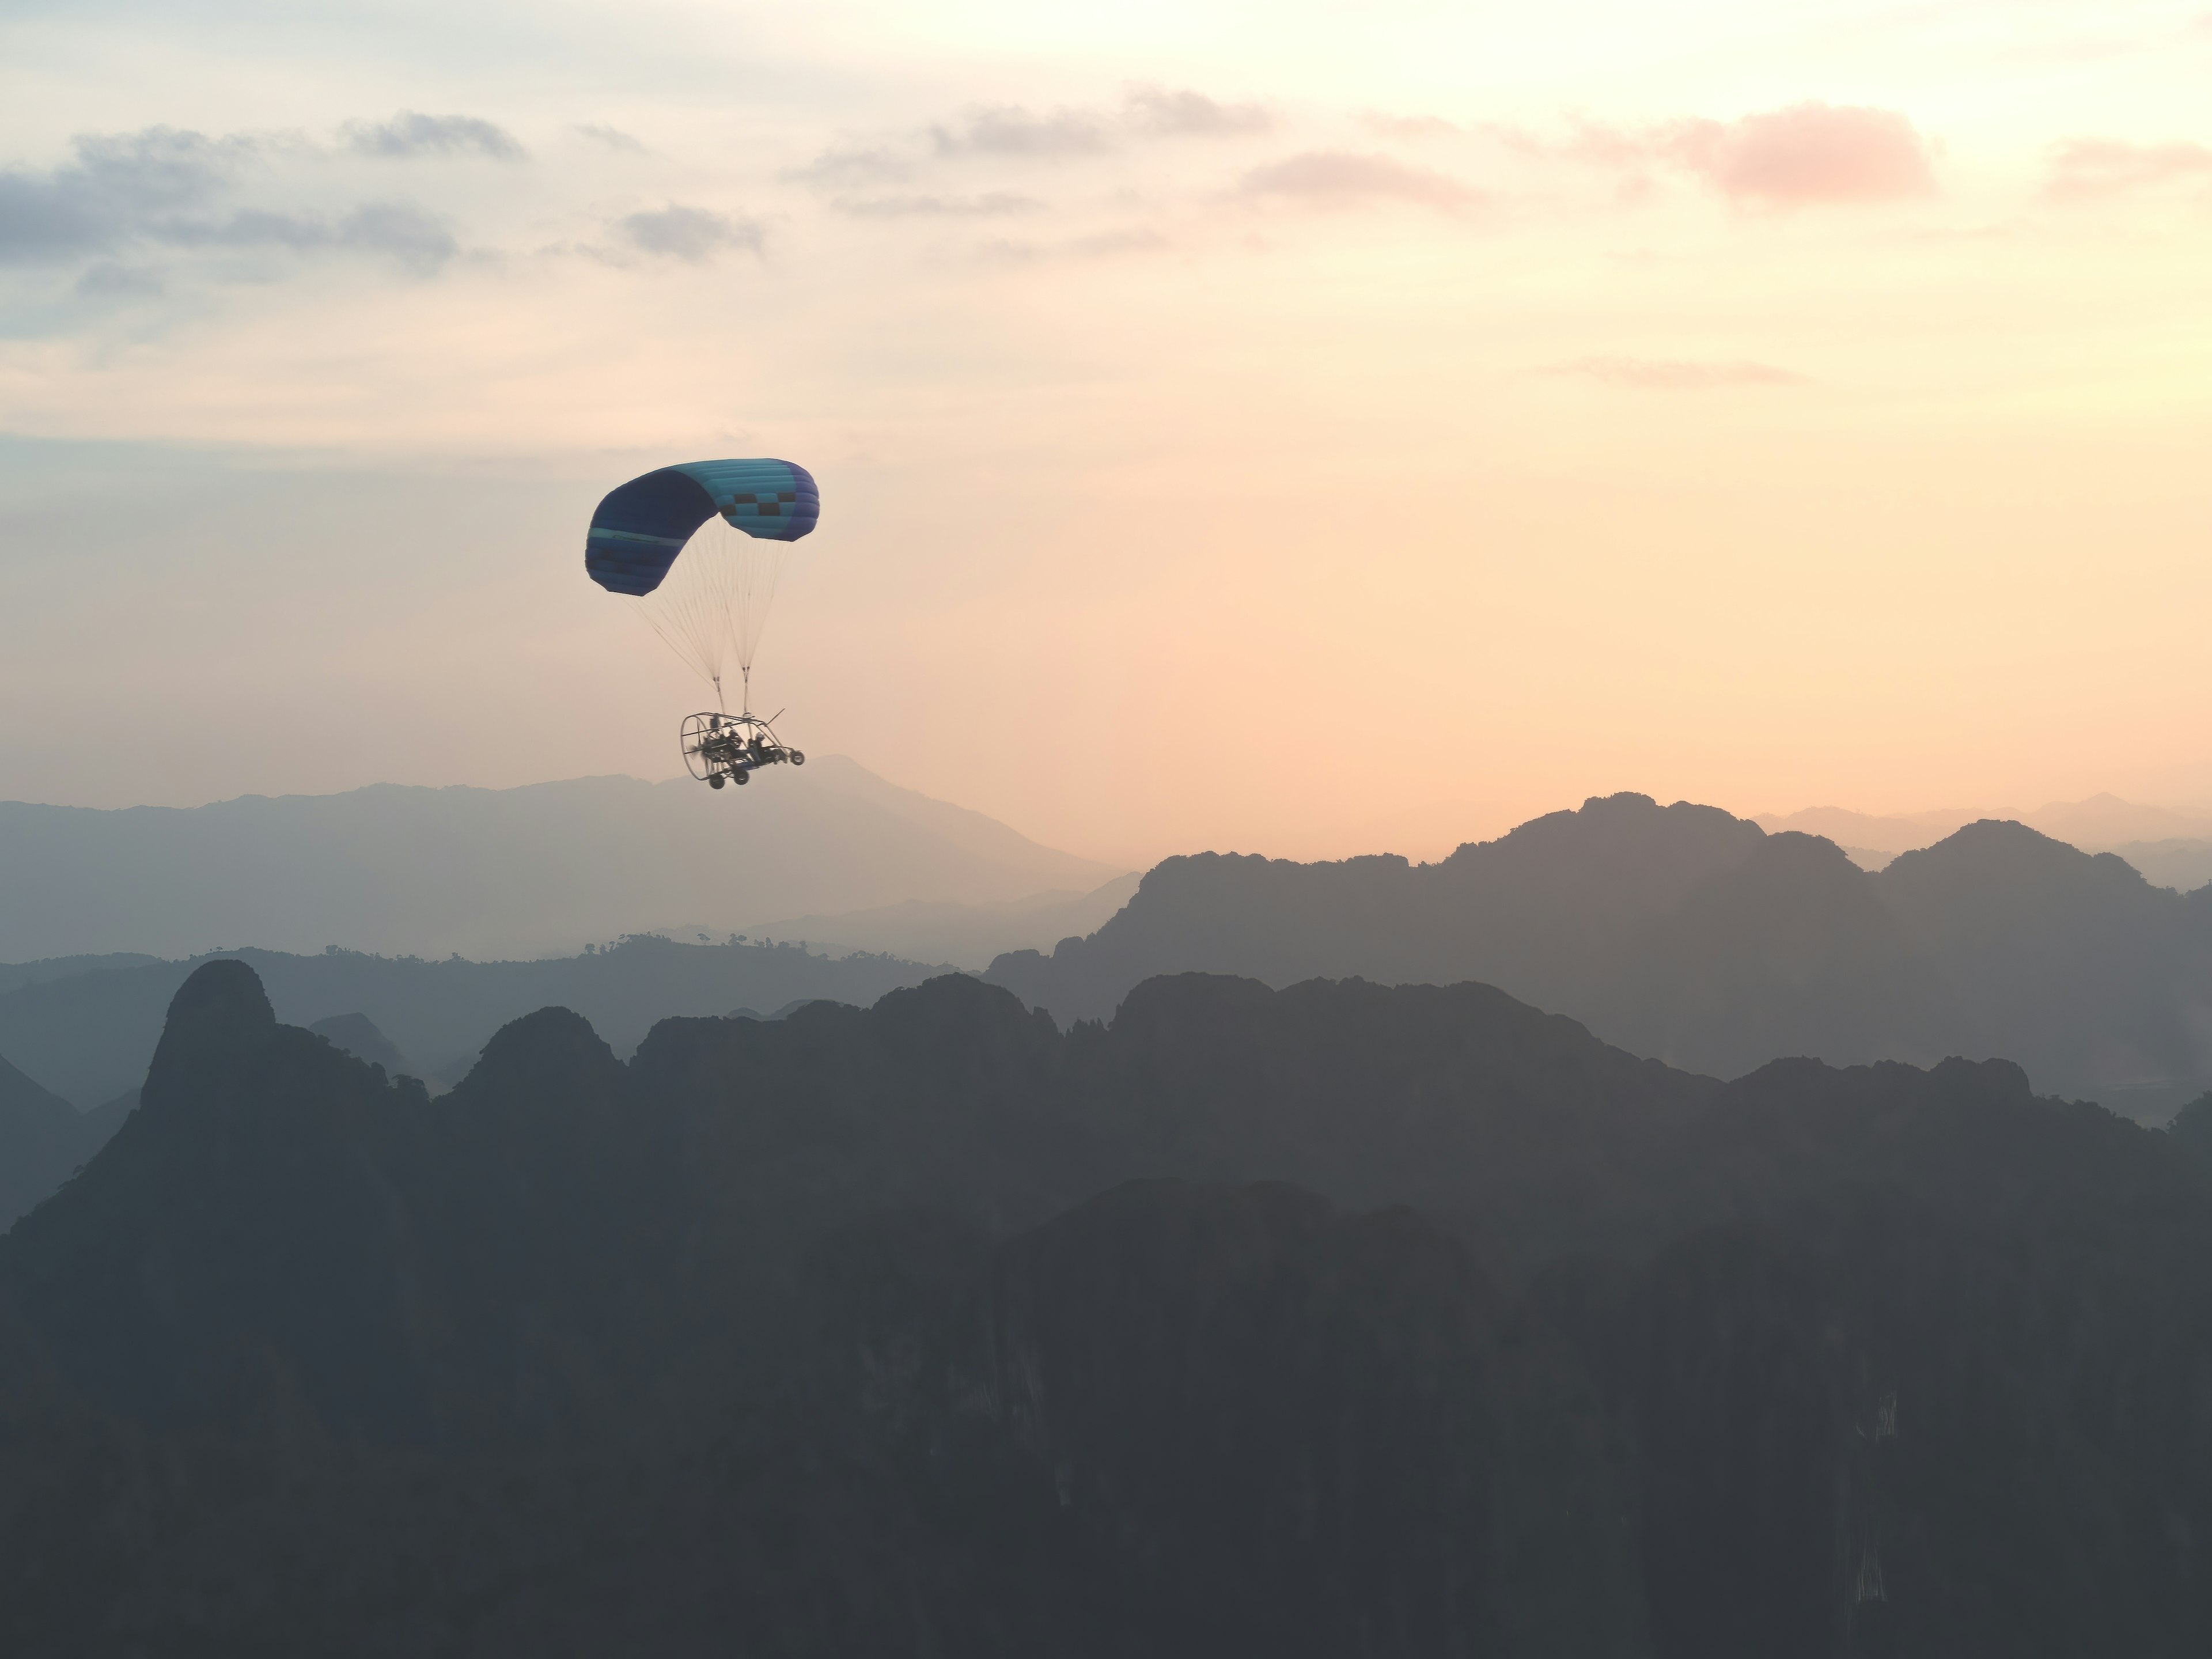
{"x":1337,"y":1320}
{"x":501,"y":872}
{"x":2171,"y":849}
{"x":2184,"y":865}
{"x":1680,"y":932}
{"x":965,"y":935}
{"x":1697,"y":937}
{"x":89,"y":1036}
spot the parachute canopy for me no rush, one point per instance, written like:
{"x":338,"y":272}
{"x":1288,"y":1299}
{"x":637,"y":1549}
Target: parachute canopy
{"x":643,"y":524}
{"x":709,"y":606}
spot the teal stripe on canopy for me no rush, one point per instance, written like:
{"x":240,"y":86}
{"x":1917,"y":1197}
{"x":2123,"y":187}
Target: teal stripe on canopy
{"x":641,"y":527}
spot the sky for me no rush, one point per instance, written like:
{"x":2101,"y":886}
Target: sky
{"x":1298,"y":429}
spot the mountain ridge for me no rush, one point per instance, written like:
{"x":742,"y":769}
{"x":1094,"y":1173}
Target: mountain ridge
{"x":91,"y":1036}
{"x":489,"y":872}
{"x":1684,"y":934}
{"x":2101,"y":824}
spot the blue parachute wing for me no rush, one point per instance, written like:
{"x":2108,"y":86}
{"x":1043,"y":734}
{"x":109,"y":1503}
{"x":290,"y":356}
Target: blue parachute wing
{"x":641,"y":527}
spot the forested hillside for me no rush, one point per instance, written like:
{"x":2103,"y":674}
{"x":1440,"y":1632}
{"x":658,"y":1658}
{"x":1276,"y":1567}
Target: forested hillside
{"x":1341,"y":1318}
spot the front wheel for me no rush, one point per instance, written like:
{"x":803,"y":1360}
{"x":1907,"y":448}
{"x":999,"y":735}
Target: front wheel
{"x":714,"y":782}
{"x":798,"y":759}
{"x":739,"y":777}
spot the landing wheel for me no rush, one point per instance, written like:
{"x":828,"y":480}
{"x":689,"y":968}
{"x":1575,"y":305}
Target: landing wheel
{"x":739,"y":777}
{"x":714,"y":782}
{"x":798,"y":759}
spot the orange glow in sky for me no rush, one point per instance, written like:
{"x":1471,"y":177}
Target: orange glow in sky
{"x":1306,"y":429}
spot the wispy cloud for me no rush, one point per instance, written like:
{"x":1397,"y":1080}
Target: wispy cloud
{"x":1594,"y":144}
{"x":162,"y":186}
{"x":692,"y":235}
{"x":411,"y":134}
{"x":1158,"y":112}
{"x":994,"y":204}
{"x":614,"y":138}
{"x":1677,"y":375}
{"x":1805,"y":154}
{"x":1809,"y":153}
{"x":1338,"y":179}
{"x":843,"y":165}
{"x":2091,"y":169}
{"x":1010,"y":130}
{"x":395,"y":230}
{"x":120,"y":188}
{"x":1017,"y":133}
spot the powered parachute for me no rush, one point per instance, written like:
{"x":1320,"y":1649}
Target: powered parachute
{"x":700,"y":548}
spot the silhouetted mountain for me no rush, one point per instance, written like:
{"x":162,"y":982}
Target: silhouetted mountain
{"x":2192,"y":1128}
{"x":356,"y":1034}
{"x":1886,"y":833}
{"x":930,"y":1328}
{"x":499,"y":871}
{"x":1691,"y":936}
{"x":42,"y":1140}
{"x":104,"y":1120}
{"x":2071,"y":964}
{"x":2102,"y":823}
{"x":1537,"y":905}
{"x":91,"y":1038}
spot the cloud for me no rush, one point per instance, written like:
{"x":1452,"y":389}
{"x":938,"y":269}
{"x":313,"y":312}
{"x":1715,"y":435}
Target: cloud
{"x":614,"y":138}
{"x":392,"y":230}
{"x":409,"y":134}
{"x":1335,"y":179}
{"x":397,"y":231}
{"x":1010,"y":130}
{"x":852,"y":164}
{"x":992,"y":205}
{"x":161,"y":186}
{"x":1666,"y":374}
{"x":1159,"y":113}
{"x":117,"y":186}
{"x":1014,"y":132}
{"x":690,"y":234}
{"x":159,"y":167}
{"x":1807,"y":154}
{"x":2091,"y":169}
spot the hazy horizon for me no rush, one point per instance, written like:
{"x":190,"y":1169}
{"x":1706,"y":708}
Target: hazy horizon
{"x":2095,"y":822}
